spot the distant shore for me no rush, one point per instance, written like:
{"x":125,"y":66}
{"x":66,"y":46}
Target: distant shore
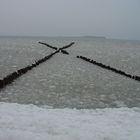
{"x":72,"y":37}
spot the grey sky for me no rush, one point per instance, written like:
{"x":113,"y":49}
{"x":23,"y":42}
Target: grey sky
{"x":110,"y":18}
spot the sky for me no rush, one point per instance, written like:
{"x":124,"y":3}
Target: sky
{"x":109,"y":18}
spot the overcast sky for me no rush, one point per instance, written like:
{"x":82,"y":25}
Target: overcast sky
{"x":110,"y":18}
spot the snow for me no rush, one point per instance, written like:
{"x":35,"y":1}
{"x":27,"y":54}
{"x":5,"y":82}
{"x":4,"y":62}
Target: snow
{"x":25,"y":122}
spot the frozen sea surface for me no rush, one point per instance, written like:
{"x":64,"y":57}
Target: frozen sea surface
{"x":65,"y":81}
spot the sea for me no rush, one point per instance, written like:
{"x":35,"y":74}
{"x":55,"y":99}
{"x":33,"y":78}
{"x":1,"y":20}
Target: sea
{"x":64,"y":81}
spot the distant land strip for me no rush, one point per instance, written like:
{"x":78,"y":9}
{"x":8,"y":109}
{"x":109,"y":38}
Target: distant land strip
{"x":137,"y":78}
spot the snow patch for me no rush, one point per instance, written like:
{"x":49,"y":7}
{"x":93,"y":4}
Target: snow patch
{"x":24,"y":122}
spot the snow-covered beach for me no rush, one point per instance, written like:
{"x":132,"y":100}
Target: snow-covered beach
{"x":66,"y":98}
{"x":25,"y":122}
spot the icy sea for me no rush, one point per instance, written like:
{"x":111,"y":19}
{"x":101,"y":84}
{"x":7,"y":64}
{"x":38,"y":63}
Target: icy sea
{"x":65,"y":81}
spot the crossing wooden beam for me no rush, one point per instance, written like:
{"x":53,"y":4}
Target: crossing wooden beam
{"x":55,"y":48}
{"x":62,"y":49}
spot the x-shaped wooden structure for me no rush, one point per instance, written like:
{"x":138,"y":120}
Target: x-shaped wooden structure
{"x":14,"y":75}
{"x":62,"y":49}
{"x":137,"y":78}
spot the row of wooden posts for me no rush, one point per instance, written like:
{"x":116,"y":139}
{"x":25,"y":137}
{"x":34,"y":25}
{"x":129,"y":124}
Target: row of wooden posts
{"x":13,"y":76}
{"x":109,"y":68}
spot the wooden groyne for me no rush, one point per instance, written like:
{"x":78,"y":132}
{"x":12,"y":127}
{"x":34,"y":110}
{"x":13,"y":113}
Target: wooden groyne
{"x":9,"y":79}
{"x":67,"y":46}
{"x":60,"y":49}
{"x":137,"y":78}
{"x":52,"y":47}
